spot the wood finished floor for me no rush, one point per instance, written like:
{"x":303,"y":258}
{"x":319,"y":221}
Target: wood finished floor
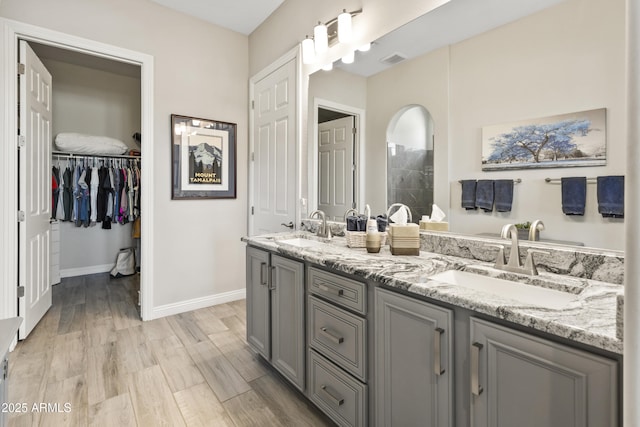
{"x":192,"y":369}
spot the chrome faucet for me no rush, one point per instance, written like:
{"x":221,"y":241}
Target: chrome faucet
{"x":350,"y":211}
{"x":323,"y":229}
{"x":514,"y":255}
{"x":514,"y":265}
{"x":534,"y":229}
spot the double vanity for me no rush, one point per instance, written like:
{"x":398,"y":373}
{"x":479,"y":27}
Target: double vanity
{"x":440,"y":339}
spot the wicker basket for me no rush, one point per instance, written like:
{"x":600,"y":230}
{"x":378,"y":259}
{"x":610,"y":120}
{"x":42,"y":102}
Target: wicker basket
{"x":358,"y":239}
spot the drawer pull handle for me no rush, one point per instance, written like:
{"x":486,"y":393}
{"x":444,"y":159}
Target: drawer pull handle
{"x":263,"y":274}
{"x":336,"y":401}
{"x":437,"y":354}
{"x":331,"y":289}
{"x":332,"y":337}
{"x":476,"y":388}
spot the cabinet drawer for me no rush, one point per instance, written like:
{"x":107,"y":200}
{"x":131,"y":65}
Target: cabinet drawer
{"x":348,"y":293}
{"x":339,"y":396}
{"x":338,"y":335}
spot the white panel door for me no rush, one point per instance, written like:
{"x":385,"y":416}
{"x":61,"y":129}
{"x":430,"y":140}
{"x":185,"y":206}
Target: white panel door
{"x":274,"y":151}
{"x":34,"y":190}
{"x":335,"y":166}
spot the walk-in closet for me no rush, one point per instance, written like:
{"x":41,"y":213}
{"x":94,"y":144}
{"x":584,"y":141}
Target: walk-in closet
{"x":95,"y":194}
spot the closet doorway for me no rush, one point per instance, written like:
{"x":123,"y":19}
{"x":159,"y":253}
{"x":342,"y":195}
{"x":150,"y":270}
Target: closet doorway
{"x":91,"y":51}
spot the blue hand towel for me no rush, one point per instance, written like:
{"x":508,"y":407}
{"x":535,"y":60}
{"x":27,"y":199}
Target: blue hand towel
{"x":503,"y":194}
{"x":484,"y":194}
{"x":469,"y":194}
{"x":611,"y":196}
{"x":574,"y":195}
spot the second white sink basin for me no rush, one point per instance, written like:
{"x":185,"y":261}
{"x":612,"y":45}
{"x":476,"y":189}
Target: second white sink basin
{"x":526,"y":294}
{"x":302,"y":242}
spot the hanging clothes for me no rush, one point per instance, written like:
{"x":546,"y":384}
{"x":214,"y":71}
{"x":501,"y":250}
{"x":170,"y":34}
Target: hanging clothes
{"x":55,"y":190}
{"x":68,"y":193}
{"x":95,"y":184}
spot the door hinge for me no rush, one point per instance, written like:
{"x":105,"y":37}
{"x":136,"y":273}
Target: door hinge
{"x":21,"y":69}
{"x":354,"y":131}
{"x":252,"y":210}
{"x":21,"y":141}
{"x":5,"y":370}
{"x":20,"y":291}
{"x":20,"y":216}
{"x":253,"y":104}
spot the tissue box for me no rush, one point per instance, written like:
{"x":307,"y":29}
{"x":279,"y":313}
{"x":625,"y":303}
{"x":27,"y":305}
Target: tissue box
{"x":434,"y":225}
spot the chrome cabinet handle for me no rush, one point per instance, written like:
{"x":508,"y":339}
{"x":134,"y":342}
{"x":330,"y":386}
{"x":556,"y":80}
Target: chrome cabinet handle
{"x":289,"y":225}
{"x":338,"y":401}
{"x":263,"y":267}
{"x":476,"y":388}
{"x":331,"y":289}
{"x":332,"y":337}
{"x":437,"y":356}
{"x":273,"y":280}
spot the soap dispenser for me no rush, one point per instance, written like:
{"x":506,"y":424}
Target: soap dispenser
{"x":373,"y":240}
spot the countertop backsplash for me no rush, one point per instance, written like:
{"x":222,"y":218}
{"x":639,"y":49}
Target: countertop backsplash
{"x":588,"y":263}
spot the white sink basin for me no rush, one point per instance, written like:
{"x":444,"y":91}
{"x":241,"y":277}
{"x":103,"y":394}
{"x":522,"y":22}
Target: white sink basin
{"x":302,"y":242}
{"x":527,"y":294}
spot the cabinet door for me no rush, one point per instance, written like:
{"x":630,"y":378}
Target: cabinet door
{"x":522,"y":380}
{"x":287,"y":319}
{"x":414,"y":362}
{"x":258,"y":312}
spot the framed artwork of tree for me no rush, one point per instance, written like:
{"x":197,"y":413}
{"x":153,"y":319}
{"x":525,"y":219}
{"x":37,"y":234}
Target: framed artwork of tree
{"x":566,"y":140}
{"x":203,"y":158}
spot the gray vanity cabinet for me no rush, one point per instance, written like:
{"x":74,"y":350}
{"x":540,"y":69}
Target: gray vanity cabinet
{"x":258,"y":301}
{"x":413,"y":362}
{"x":275,"y":312}
{"x":519,"y":379}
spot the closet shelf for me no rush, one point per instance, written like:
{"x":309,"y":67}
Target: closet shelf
{"x":110,"y":156}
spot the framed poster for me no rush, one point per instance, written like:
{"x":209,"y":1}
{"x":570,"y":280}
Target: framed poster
{"x":566,"y":140}
{"x":203,"y":158}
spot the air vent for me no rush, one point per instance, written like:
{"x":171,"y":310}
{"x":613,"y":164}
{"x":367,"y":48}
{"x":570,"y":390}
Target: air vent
{"x":394,"y":58}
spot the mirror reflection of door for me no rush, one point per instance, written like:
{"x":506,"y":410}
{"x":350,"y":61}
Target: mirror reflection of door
{"x":410,"y":160}
{"x":336,"y":164}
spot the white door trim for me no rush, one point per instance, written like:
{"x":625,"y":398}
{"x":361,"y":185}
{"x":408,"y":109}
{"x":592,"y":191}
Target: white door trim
{"x":293,"y":54}
{"x":10,"y":32}
{"x":359,"y":154}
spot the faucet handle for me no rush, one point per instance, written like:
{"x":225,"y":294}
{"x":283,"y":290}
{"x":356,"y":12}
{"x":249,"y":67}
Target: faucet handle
{"x":530,"y":264}
{"x":500,"y":259}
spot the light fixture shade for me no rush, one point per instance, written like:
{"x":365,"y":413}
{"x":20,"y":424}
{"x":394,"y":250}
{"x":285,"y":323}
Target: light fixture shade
{"x":320,"y":38}
{"x":349,"y":58}
{"x":308,"y":52}
{"x":365,"y":47}
{"x":328,"y":67}
{"x":345,"y":32}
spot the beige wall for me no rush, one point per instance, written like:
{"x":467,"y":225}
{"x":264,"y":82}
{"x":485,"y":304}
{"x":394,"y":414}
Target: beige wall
{"x":95,"y":102}
{"x":200,"y":70}
{"x":565,"y":59}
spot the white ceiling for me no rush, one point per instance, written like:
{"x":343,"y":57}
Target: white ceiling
{"x":242,"y":16}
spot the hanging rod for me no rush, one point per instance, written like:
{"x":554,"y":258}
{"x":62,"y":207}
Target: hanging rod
{"x":590,"y":180}
{"x":111,"y":156}
{"x":515,"y":181}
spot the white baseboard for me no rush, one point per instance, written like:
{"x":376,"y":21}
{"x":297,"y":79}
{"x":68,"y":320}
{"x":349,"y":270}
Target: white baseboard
{"x":196,"y":303}
{"x":81,"y":271}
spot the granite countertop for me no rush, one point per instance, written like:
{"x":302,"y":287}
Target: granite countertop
{"x":8,"y":329}
{"x":589,"y":319}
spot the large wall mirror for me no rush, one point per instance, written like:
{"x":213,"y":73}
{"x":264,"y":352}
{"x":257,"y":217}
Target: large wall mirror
{"x":469,"y":69}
